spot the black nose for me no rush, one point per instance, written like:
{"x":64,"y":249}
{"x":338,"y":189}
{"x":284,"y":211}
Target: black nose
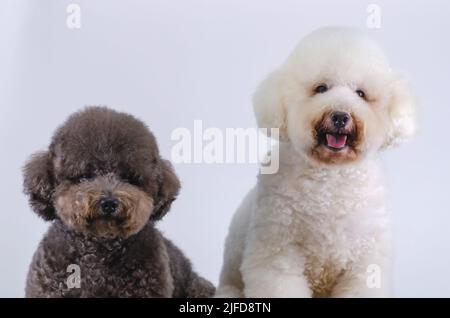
{"x":340,"y":119}
{"x":109,"y":205}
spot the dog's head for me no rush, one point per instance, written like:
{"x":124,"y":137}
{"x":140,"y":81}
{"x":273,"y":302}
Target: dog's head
{"x":102,"y":175}
{"x":336,"y":99}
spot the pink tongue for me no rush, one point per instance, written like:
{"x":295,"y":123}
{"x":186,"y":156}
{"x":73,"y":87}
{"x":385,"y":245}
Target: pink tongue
{"x":337,"y":142}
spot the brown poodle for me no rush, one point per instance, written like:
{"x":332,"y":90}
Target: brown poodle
{"x":103,"y":184}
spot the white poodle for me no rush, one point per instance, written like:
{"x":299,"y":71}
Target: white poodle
{"x":319,"y":227}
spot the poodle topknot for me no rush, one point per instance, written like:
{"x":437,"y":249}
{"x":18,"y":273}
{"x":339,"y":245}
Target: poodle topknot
{"x":103,"y":184}
{"x":319,"y":227}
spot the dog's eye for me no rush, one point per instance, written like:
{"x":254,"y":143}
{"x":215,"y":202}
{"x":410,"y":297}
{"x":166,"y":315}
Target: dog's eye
{"x":361,"y":93}
{"x":84,"y":177}
{"x":322,"y":88}
{"x":77,"y":179}
{"x":131,"y":179}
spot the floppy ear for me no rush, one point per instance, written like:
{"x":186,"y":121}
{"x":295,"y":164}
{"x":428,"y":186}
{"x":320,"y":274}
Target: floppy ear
{"x":269,"y":104}
{"x":38,"y":184}
{"x":169,"y":185}
{"x":402,"y":114}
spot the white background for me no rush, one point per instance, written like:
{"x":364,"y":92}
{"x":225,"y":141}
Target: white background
{"x":171,"y":62}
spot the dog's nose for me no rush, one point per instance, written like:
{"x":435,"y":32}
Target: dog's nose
{"x":340,"y":119}
{"x":109,"y":205}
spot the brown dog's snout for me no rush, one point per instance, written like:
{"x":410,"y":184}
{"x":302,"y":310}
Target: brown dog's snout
{"x":109,"y":205}
{"x":340,"y":119}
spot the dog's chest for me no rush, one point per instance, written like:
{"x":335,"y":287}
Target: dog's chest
{"x":118,"y":276}
{"x":322,"y":277}
{"x":335,"y":217}
{"x":112,"y":269}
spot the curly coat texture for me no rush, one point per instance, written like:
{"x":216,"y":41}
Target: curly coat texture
{"x":97,"y":155}
{"x":144,"y":265}
{"x":319,"y":227}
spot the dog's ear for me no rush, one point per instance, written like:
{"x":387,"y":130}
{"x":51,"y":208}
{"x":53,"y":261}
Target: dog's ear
{"x":38,"y":184}
{"x":169,"y":185}
{"x":401,"y":113}
{"x":269,"y":103}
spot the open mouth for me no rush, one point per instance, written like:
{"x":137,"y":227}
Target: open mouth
{"x":336,"y":142}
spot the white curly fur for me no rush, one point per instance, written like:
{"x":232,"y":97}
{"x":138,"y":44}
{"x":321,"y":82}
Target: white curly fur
{"x":312,"y":229}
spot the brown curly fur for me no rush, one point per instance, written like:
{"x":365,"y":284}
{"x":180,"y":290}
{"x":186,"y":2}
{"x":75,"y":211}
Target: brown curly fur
{"x":100,"y":153}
